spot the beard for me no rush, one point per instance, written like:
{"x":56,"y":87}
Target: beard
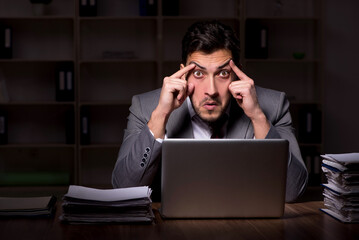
{"x":209,"y":116}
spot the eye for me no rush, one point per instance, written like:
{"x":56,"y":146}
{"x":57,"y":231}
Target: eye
{"x":224,"y":73}
{"x":197,"y":74}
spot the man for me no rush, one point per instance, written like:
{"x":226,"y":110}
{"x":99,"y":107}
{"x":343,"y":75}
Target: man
{"x":208,"y":95}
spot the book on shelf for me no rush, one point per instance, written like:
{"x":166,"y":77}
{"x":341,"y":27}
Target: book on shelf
{"x":27,"y":206}
{"x":65,"y":82}
{"x":256,"y":40}
{"x":88,"y":8}
{"x":5,"y":42}
{"x":4,"y":94}
{"x":341,"y":192}
{"x":3,"y":127}
{"x":85,"y":137}
{"x":310,"y":127}
{"x":121,"y":205}
{"x":170,"y":7}
{"x":312,"y":161}
{"x":70,"y":126}
{"x":148,"y":7}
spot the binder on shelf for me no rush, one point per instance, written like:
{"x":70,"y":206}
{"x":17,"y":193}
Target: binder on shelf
{"x":256,"y":40}
{"x":309,"y":129}
{"x":65,"y":82}
{"x":70,"y":126}
{"x":88,"y":8}
{"x":312,"y":161}
{"x":85,"y":126}
{"x":4,"y":95}
{"x":5,"y":42}
{"x":170,"y":7}
{"x":148,"y":7}
{"x":3,"y":127}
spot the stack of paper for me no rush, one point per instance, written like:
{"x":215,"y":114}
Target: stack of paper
{"x":341,"y":193}
{"x":89,"y":205}
{"x":27,"y":206}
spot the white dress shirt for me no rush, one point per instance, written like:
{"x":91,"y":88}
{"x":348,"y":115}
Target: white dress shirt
{"x":201,"y":129}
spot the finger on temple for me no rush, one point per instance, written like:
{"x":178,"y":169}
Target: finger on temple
{"x":237,"y":71}
{"x":183,"y":71}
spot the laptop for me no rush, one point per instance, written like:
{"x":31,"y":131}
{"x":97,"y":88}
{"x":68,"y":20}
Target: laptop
{"x":223,"y":178}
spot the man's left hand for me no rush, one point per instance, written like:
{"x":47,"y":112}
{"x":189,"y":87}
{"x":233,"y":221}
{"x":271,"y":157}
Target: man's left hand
{"x":244,"y":91}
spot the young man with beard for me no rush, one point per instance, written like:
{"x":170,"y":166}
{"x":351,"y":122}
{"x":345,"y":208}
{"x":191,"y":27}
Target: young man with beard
{"x":208,"y":93}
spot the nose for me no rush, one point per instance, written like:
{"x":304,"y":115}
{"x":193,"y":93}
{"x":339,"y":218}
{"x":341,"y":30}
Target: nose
{"x":211,"y":89}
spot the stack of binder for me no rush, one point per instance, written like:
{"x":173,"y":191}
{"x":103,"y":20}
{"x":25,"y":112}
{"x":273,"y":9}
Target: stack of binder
{"x":341,"y":193}
{"x":90,"y":205}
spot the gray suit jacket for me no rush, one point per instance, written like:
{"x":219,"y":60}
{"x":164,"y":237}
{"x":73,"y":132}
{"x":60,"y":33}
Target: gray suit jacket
{"x":139,"y":158}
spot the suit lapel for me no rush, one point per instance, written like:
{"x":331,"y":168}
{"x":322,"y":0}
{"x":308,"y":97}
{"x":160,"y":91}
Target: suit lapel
{"x":239,"y":125}
{"x":179,"y":124}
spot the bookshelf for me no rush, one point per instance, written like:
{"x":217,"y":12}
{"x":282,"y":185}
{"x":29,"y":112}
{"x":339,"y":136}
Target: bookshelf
{"x":40,"y":148}
{"x":120,"y":51}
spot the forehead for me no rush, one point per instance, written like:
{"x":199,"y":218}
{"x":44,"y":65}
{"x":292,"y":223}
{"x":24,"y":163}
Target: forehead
{"x":210,"y":61}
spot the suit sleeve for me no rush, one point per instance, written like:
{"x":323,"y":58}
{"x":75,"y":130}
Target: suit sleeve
{"x":138,"y":158}
{"x":281,"y":127}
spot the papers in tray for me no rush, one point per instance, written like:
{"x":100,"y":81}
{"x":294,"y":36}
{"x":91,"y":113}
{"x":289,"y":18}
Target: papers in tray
{"x":27,"y":206}
{"x":341,"y":193}
{"x":89,"y":205}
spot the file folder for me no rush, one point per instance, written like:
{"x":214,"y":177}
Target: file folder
{"x":65,"y":82}
{"x":5,"y":42}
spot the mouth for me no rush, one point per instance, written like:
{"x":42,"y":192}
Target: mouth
{"x":210,"y":105}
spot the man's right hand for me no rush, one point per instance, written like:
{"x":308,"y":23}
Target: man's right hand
{"x":175,"y":90}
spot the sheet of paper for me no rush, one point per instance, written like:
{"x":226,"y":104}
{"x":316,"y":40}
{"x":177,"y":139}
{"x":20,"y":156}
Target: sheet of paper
{"x":108,"y":195}
{"x":344,"y":158}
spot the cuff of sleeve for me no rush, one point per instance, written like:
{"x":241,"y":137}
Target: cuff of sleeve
{"x":160,"y":140}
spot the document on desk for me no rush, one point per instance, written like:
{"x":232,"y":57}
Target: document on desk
{"x":108,"y":195}
{"x":341,"y":193}
{"x":27,"y":206}
{"x":90,"y":205}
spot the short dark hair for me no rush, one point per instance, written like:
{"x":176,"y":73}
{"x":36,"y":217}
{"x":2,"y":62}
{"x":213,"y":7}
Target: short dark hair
{"x":208,"y":37}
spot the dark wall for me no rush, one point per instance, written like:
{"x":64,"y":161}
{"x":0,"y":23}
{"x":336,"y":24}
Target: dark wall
{"x":341,"y":76}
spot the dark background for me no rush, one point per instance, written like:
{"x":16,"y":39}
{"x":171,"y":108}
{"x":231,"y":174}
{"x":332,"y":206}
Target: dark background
{"x":341,"y":81}
{"x":339,"y":66}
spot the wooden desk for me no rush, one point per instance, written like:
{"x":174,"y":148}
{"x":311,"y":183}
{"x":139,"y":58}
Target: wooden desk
{"x":300,"y":221}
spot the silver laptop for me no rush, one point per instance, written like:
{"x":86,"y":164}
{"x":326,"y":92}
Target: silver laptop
{"x":223,"y":178}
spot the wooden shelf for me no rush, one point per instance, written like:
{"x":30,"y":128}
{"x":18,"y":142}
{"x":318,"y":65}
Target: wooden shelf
{"x":118,"y":18}
{"x":198,"y":18}
{"x":39,"y":145}
{"x":285,"y":19}
{"x":106,"y":103}
{"x":101,"y":146}
{"x":19,"y":60}
{"x":283,"y":60}
{"x":134,"y":61}
{"x":30,"y":18}
{"x":37,"y":103}
{"x":119,"y":53}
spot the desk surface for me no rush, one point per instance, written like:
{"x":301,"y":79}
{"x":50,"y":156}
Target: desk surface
{"x":300,"y":221}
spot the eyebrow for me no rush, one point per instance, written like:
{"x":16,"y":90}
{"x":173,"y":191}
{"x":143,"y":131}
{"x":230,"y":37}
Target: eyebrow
{"x":225,"y":64}
{"x":219,"y":67}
